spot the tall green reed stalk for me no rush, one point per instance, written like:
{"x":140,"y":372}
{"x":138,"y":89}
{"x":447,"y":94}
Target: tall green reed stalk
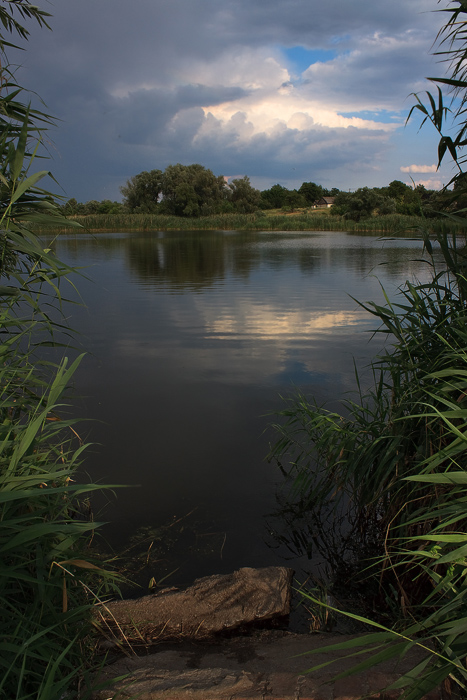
{"x":400,"y":456}
{"x":48,"y":581}
{"x":396,"y":465}
{"x":395,"y":224}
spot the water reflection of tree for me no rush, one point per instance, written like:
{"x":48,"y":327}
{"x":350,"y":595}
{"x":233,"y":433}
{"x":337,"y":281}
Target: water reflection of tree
{"x":200,"y":258}
{"x":193,"y":260}
{"x":78,"y":246}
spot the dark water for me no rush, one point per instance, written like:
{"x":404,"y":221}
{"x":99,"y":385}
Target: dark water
{"x":193,"y":337}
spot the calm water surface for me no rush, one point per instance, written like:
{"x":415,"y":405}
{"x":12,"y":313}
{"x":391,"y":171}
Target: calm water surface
{"x":193,"y":339}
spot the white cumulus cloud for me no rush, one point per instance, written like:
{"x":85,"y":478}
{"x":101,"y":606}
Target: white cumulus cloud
{"x":418,"y":168}
{"x":431,"y":184}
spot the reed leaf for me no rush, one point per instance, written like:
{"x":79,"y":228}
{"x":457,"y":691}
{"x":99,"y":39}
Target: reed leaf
{"x":47,"y":570}
{"x":394,"y":463}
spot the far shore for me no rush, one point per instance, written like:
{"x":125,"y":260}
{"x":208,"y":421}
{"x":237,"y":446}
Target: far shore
{"x":274,"y":220}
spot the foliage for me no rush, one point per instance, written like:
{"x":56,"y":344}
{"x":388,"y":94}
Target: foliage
{"x":316,"y":220}
{"x":410,"y":200}
{"x":25,"y":10}
{"x":274,"y":198}
{"x":191,"y":190}
{"x":400,"y":456}
{"x":394,"y":464}
{"x":182,"y":190}
{"x":74,"y":208}
{"x":279,"y":197}
{"x":244,"y":198}
{"x":142,"y":192}
{"x":363,"y":204}
{"x":45,"y":575}
{"x":188,"y":191}
{"x":397,"y":197}
{"x":312,"y":192}
{"x":397,"y":190}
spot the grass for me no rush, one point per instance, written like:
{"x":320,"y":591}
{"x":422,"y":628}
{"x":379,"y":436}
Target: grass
{"x":312,"y":220}
{"x":48,"y":579}
{"x":394,"y":464}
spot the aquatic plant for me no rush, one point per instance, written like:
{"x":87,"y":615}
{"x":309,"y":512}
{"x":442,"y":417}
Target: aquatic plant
{"x":394,"y":224}
{"x":48,"y":582}
{"x":396,"y":462}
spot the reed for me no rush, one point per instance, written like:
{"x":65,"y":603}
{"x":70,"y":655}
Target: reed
{"x":395,"y":462}
{"x":48,"y":580}
{"x":406,"y":440}
{"x":395,"y":224}
{"x":49,"y":583}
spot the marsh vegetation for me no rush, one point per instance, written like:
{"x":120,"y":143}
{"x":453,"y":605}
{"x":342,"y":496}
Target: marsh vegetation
{"x":393,"y":224}
{"x":394,"y":463}
{"x":48,"y":581}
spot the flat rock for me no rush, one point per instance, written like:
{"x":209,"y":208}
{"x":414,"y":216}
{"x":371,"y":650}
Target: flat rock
{"x":211,"y":605}
{"x":149,"y":683}
{"x":271,"y":666}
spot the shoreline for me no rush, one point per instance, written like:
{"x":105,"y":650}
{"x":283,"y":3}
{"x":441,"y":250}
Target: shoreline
{"x":395,"y":225}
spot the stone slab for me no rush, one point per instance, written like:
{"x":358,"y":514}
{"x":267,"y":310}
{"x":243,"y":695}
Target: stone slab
{"x":211,"y":605}
{"x":269,"y":666}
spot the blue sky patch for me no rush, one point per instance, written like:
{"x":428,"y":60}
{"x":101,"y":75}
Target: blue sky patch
{"x":383,"y":116}
{"x":302,"y":58}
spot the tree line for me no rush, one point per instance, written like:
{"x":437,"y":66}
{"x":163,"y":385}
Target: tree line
{"x":194,"y":191}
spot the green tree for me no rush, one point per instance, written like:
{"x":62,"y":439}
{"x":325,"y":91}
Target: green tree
{"x":362,"y":204}
{"x":142,"y":191}
{"x":293,"y":200}
{"x":191,"y":190}
{"x":411,"y":201}
{"x":107,"y":206}
{"x":91,"y":207}
{"x":311,"y":192}
{"x":275,"y":197}
{"x":74,"y":208}
{"x":244,"y":197}
{"x":396,"y":190}
{"x":455,"y":200}
{"x":71,"y":207}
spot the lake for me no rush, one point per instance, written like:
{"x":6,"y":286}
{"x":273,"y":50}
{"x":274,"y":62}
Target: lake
{"x":193,"y":338}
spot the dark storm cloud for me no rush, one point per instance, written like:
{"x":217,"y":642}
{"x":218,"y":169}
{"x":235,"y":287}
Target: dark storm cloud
{"x":321,"y":24}
{"x":140,"y":85}
{"x":295,"y":155}
{"x":380,"y":72}
{"x":143,"y":116}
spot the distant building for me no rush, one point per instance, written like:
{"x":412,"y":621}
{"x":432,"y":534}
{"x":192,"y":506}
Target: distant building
{"x":324,"y":203}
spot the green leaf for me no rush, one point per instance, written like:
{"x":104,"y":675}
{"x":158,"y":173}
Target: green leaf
{"x":26,"y":184}
{"x":18,"y":159}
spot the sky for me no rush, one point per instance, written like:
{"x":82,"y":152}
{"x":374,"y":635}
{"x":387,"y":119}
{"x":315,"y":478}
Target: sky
{"x":283,"y":92}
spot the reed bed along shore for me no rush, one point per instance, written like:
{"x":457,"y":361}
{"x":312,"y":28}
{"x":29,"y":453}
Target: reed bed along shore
{"x":395,"y":224}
